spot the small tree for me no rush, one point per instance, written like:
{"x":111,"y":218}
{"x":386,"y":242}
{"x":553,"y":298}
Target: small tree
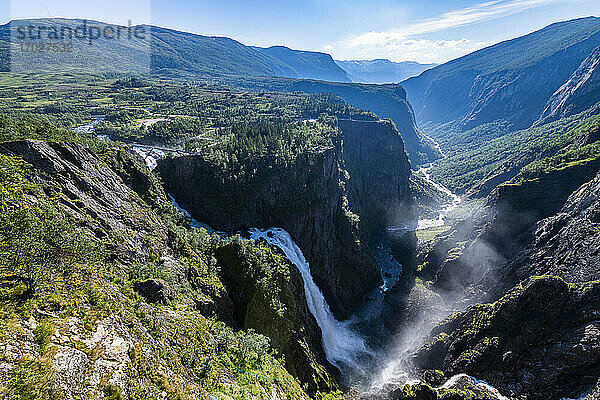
{"x":38,"y":241}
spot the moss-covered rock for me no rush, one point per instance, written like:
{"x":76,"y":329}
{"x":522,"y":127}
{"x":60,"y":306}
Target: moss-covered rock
{"x":268,"y":296}
{"x":542,"y":322}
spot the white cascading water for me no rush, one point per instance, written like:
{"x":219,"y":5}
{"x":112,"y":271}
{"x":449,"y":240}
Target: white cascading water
{"x":343,"y":347}
{"x":451,"y":383}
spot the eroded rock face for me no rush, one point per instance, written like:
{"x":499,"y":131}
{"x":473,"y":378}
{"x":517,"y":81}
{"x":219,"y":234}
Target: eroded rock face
{"x":541,"y":340}
{"x":566,"y":244}
{"x":82,"y":361}
{"x":579,"y":92}
{"x":95,"y":195}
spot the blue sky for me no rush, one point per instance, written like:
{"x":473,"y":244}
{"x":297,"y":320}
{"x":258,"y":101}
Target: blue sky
{"x":416,"y":30}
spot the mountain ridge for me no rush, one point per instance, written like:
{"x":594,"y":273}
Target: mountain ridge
{"x":168,"y":49}
{"x":381,"y":70}
{"x":474,"y":89}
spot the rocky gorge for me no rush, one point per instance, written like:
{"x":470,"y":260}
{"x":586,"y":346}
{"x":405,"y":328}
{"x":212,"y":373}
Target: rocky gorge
{"x":261,"y":237}
{"x":331,"y":202}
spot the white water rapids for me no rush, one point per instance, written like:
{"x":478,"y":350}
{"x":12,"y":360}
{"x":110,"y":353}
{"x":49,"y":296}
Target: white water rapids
{"x":442,"y":213}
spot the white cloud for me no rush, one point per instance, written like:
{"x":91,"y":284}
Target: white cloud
{"x":453,"y":19}
{"x":421,"y":50}
{"x":399,"y":44}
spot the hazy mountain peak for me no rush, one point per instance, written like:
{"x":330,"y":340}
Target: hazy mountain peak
{"x":381,"y":70}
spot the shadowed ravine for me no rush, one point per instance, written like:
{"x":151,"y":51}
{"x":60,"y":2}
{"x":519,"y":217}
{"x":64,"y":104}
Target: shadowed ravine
{"x":373,"y":362}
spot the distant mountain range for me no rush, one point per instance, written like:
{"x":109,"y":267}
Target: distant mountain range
{"x":381,"y":70}
{"x":550,"y":72}
{"x":169,"y":52}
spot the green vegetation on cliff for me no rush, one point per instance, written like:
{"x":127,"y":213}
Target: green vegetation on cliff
{"x":79,"y":313}
{"x":477,"y":164}
{"x":504,"y":342}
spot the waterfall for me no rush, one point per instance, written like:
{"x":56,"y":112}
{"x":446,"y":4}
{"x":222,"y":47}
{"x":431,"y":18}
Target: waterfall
{"x":343,"y":347}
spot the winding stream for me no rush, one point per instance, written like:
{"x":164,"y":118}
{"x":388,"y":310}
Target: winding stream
{"x":447,"y":208}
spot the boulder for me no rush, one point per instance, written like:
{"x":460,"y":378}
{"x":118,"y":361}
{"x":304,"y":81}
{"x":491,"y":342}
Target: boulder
{"x":154,"y":291}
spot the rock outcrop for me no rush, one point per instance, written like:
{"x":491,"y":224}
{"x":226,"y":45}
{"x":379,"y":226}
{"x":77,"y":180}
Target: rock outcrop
{"x":541,"y":340}
{"x":153,"y":291}
{"x":387,"y":101}
{"x":565,"y":244}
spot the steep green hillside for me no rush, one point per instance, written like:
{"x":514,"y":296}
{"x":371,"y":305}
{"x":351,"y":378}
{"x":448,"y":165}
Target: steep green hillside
{"x":306,"y":64}
{"x":156,"y":50}
{"x":510,"y":81}
{"x":482,"y":158}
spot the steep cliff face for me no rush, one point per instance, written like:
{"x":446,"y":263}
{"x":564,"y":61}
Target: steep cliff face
{"x":511,"y":80}
{"x":580,"y":92}
{"x":541,"y":340}
{"x":375,"y":158}
{"x":313,"y":198}
{"x":387,"y":101}
{"x":565,"y":244}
